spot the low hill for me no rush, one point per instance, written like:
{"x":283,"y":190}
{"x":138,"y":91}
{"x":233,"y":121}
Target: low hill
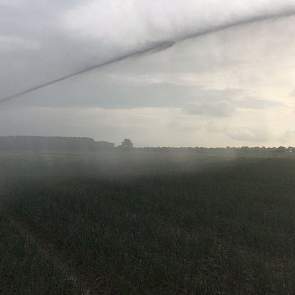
{"x":61,"y":144}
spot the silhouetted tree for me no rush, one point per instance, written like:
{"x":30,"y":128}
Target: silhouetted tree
{"x":281,"y":149}
{"x":126,"y":144}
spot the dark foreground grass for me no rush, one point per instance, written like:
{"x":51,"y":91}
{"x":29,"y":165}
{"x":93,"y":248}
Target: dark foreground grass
{"x":223,"y":230}
{"x":24,"y":271}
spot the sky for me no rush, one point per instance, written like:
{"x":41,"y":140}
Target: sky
{"x":229,"y":85}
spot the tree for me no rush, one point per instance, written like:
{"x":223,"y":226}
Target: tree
{"x":126,"y":144}
{"x":281,"y":149}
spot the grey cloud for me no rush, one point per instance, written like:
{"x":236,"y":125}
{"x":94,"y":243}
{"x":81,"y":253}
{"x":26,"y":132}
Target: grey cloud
{"x":211,"y":78}
{"x":165,"y":20}
{"x":225,"y":104}
{"x":63,"y":54}
{"x":105,"y":94}
{"x":8,"y":43}
{"x":213,"y":108}
{"x":109,"y":91}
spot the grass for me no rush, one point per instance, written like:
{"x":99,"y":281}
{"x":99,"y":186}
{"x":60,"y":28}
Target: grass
{"x":195,"y":225}
{"x":23,"y":270}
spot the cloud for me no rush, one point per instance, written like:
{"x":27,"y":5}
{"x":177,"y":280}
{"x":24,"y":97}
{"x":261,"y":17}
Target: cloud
{"x":234,"y":79}
{"x":258,"y":103}
{"x":10,"y":43}
{"x":86,"y":33}
{"x":136,"y":21}
{"x":112,"y":90}
{"x":9,"y":3}
{"x":156,"y":78}
{"x":211,"y":109}
{"x":246,"y":134}
{"x":225,"y":103}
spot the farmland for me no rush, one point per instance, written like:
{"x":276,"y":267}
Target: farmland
{"x":147,"y":222}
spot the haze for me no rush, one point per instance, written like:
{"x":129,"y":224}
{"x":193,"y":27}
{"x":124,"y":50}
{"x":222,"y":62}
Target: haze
{"x":230,"y":87}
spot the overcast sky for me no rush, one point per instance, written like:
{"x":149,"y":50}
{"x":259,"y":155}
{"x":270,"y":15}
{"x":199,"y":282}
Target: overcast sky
{"x":230,"y":87}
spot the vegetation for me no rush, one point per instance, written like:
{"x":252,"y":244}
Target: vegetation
{"x":126,"y":144}
{"x":147,"y":222}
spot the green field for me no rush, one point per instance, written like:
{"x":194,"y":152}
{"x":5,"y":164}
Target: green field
{"x":142,"y":222}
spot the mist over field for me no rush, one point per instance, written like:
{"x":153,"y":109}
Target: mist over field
{"x":147,"y":147}
{"x":92,"y":219}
